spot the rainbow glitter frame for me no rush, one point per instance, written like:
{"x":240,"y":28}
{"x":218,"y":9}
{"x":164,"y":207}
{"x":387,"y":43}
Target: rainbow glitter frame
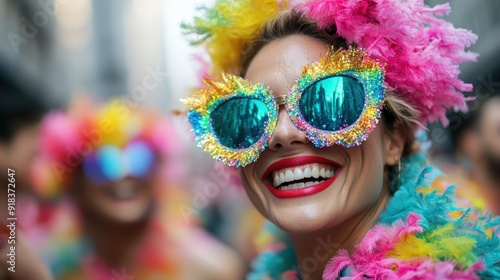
{"x":208,"y":99}
{"x":353,"y":62}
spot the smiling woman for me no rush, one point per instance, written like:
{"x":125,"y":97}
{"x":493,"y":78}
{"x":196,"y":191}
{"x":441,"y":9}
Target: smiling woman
{"x":115,"y":216}
{"x":329,"y":153}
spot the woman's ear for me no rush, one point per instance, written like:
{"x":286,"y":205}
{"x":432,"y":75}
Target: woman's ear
{"x":394,"y":141}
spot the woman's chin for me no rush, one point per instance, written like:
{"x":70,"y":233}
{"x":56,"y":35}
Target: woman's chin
{"x":304,"y":220}
{"x":297,"y":229}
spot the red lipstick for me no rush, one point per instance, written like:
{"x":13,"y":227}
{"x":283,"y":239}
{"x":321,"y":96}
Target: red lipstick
{"x":297,"y":161}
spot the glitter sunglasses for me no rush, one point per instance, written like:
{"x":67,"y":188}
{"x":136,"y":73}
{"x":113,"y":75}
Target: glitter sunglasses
{"x":110,"y":163}
{"x":337,"y":100}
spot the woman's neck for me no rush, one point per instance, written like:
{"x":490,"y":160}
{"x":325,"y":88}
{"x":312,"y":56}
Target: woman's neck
{"x":115,"y":243}
{"x":314,"y":250}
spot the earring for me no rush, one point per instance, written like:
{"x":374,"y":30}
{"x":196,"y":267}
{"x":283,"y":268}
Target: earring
{"x":398,"y":162}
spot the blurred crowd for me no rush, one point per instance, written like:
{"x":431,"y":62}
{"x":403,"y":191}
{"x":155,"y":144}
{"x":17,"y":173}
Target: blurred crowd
{"x":106,"y":185}
{"x":99,"y":192}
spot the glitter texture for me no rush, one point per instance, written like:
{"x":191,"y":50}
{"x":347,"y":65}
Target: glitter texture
{"x":206,"y":101}
{"x":354,"y":63}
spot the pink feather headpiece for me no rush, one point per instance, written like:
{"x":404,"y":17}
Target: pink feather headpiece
{"x":421,"y":51}
{"x":67,"y":137}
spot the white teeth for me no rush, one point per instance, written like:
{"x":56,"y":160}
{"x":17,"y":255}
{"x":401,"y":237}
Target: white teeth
{"x":294,"y":186}
{"x":315,"y":172}
{"x":124,"y":192}
{"x":288,"y":176}
{"x":307,"y":172}
{"x":308,"y":184}
{"x":276,"y":180}
{"x":300,"y":185}
{"x":322,"y":173}
{"x":298,"y":174}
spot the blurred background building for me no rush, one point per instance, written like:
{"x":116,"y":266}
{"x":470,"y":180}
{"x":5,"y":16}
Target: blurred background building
{"x":101,"y":48}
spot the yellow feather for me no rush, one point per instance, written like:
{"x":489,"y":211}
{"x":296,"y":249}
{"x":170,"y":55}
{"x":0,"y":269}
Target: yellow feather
{"x":441,"y":243}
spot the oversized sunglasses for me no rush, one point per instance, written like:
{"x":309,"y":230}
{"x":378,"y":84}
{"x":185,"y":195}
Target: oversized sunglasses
{"x":337,"y":100}
{"x":110,"y":163}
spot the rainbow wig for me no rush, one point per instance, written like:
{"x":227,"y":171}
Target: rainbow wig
{"x":67,"y":138}
{"x":421,"y":52}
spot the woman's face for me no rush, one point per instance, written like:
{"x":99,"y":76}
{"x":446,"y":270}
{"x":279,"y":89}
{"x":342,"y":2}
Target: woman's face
{"x":354,"y":176}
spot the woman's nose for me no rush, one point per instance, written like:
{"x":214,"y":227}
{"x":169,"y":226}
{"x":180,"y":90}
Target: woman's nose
{"x":286,"y":136}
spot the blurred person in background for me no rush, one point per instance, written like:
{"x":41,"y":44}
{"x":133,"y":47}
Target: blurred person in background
{"x":117,"y":215}
{"x":476,"y":136}
{"x":20,"y":113}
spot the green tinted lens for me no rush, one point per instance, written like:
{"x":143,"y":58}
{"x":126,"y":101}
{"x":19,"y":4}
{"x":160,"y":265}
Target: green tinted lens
{"x":239,"y":122}
{"x":333,"y":103}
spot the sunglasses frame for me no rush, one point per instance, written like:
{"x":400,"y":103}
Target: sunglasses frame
{"x":233,"y":87}
{"x":92,"y":161}
{"x":352,"y":63}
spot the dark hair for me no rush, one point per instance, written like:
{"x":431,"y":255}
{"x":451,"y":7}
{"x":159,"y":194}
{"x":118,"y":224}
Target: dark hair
{"x":18,"y":107}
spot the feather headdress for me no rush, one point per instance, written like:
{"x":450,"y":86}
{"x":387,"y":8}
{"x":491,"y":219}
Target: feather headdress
{"x":421,"y":51}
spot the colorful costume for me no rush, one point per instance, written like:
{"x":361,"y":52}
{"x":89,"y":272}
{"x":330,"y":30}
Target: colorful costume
{"x":106,"y":145}
{"x":70,"y":255}
{"x":421,"y":234}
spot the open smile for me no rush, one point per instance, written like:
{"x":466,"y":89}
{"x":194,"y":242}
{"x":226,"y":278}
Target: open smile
{"x":124,"y":191}
{"x":300,"y":176}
